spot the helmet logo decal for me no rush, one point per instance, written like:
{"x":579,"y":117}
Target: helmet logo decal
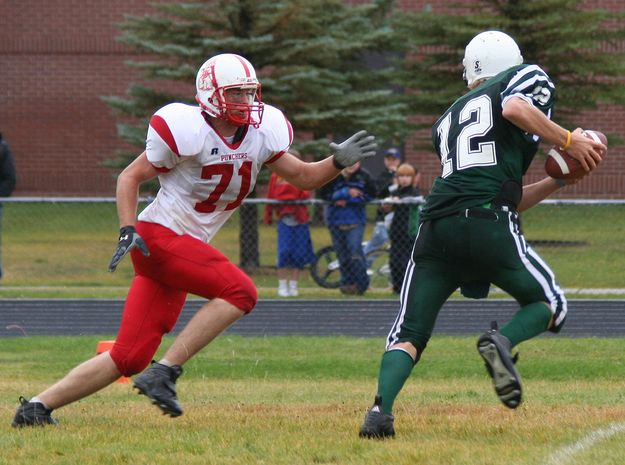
{"x":477,"y":67}
{"x":206,"y":79}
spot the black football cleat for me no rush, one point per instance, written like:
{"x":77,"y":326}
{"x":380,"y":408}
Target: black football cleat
{"x":377,"y":425}
{"x":494,"y":348}
{"x":32,"y":414}
{"x":158,"y":383}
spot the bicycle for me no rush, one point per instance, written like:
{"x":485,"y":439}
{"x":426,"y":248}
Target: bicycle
{"x":325,"y":270}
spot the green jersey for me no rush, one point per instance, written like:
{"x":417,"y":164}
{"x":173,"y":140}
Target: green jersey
{"x":478,"y":148}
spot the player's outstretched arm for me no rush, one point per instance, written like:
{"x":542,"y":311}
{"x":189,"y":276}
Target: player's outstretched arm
{"x":312,"y":175}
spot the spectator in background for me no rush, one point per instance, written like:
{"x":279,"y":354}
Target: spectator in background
{"x":348,"y":195}
{"x":386,"y":179}
{"x":385,"y":184}
{"x":294,"y":244}
{"x":405,"y":222}
{"x":7,"y":181}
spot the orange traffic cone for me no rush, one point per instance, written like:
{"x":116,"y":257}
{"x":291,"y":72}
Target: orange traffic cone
{"x":103,"y":346}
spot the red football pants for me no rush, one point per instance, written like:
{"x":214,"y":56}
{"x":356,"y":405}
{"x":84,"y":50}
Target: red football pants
{"x":177,"y":265}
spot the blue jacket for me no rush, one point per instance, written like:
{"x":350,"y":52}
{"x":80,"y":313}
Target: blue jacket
{"x":338,"y":189}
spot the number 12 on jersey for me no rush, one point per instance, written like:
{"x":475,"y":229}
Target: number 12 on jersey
{"x":479,"y":115}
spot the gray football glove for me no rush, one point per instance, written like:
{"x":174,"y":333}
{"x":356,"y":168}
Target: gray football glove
{"x":356,"y":148}
{"x":128,"y":240}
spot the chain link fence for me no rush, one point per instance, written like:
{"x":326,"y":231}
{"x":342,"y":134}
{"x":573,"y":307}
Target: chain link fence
{"x":62,"y":247}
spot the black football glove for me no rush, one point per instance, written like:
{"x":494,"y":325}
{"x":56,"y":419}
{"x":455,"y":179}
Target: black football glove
{"x":128,"y":240}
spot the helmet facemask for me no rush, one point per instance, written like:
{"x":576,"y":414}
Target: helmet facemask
{"x":238,"y":110}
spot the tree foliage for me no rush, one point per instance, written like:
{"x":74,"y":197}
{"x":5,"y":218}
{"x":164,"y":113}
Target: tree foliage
{"x":580,"y":49}
{"x":312,"y":57}
{"x":336,"y":67}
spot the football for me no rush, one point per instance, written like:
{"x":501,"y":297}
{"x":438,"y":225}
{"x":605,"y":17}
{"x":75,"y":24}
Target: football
{"x":560,"y":165}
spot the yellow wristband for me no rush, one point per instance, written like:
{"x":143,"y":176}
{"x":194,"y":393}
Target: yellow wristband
{"x":568,"y":140}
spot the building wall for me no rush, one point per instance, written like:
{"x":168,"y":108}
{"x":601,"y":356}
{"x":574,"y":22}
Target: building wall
{"x":59,"y":57}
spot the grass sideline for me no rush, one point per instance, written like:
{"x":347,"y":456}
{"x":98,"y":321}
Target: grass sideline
{"x":296,"y":400}
{"x":63,"y":250}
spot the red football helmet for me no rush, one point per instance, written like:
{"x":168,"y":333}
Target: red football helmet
{"x":217,"y":83}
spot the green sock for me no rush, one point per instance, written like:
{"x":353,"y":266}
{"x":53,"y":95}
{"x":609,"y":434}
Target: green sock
{"x":528,"y":322}
{"x":395,"y":368}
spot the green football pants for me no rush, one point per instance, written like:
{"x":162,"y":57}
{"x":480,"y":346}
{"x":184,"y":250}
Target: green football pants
{"x":471,"y":250}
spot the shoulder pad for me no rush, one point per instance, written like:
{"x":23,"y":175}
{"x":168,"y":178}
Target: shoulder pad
{"x":277,"y":129}
{"x":182,"y":127}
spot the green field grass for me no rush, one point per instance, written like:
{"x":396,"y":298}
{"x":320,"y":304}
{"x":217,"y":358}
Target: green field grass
{"x":63,"y":250}
{"x":295,"y":400}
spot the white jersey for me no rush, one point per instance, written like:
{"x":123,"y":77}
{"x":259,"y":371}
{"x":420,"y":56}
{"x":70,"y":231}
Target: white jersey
{"x":204,"y":178}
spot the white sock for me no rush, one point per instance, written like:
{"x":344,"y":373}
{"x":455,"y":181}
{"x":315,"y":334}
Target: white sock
{"x":282,"y":284}
{"x":165,"y":362}
{"x":38,"y":400}
{"x":293,"y":285}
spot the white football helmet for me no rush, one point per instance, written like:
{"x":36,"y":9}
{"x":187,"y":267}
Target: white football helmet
{"x":488,"y":54}
{"x":221,"y":73}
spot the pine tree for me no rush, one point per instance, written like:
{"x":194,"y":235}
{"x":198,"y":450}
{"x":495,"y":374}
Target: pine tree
{"x":578,"y":47}
{"x":312,"y":57}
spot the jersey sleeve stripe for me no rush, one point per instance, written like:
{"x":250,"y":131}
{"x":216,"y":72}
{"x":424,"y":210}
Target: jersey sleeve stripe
{"x":521,"y":96}
{"x":275,"y":157}
{"x":528,"y":70}
{"x":161,"y":128}
{"x":161,"y":169}
{"x":527,"y":78}
{"x":530,"y":83}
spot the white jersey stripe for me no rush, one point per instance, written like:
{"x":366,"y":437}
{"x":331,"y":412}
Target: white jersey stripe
{"x":403,"y":297}
{"x":525,"y":71}
{"x":403,"y":305}
{"x":550,"y":288}
{"x":558,"y":295}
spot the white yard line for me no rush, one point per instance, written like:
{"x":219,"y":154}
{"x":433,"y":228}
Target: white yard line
{"x":565,"y":454}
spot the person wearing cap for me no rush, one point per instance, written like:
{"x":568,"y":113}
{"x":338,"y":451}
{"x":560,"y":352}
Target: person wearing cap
{"x":385,"y":186}
{"x":386,"y":179}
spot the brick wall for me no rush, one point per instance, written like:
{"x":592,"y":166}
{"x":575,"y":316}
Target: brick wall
{"x":57,"y":58}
